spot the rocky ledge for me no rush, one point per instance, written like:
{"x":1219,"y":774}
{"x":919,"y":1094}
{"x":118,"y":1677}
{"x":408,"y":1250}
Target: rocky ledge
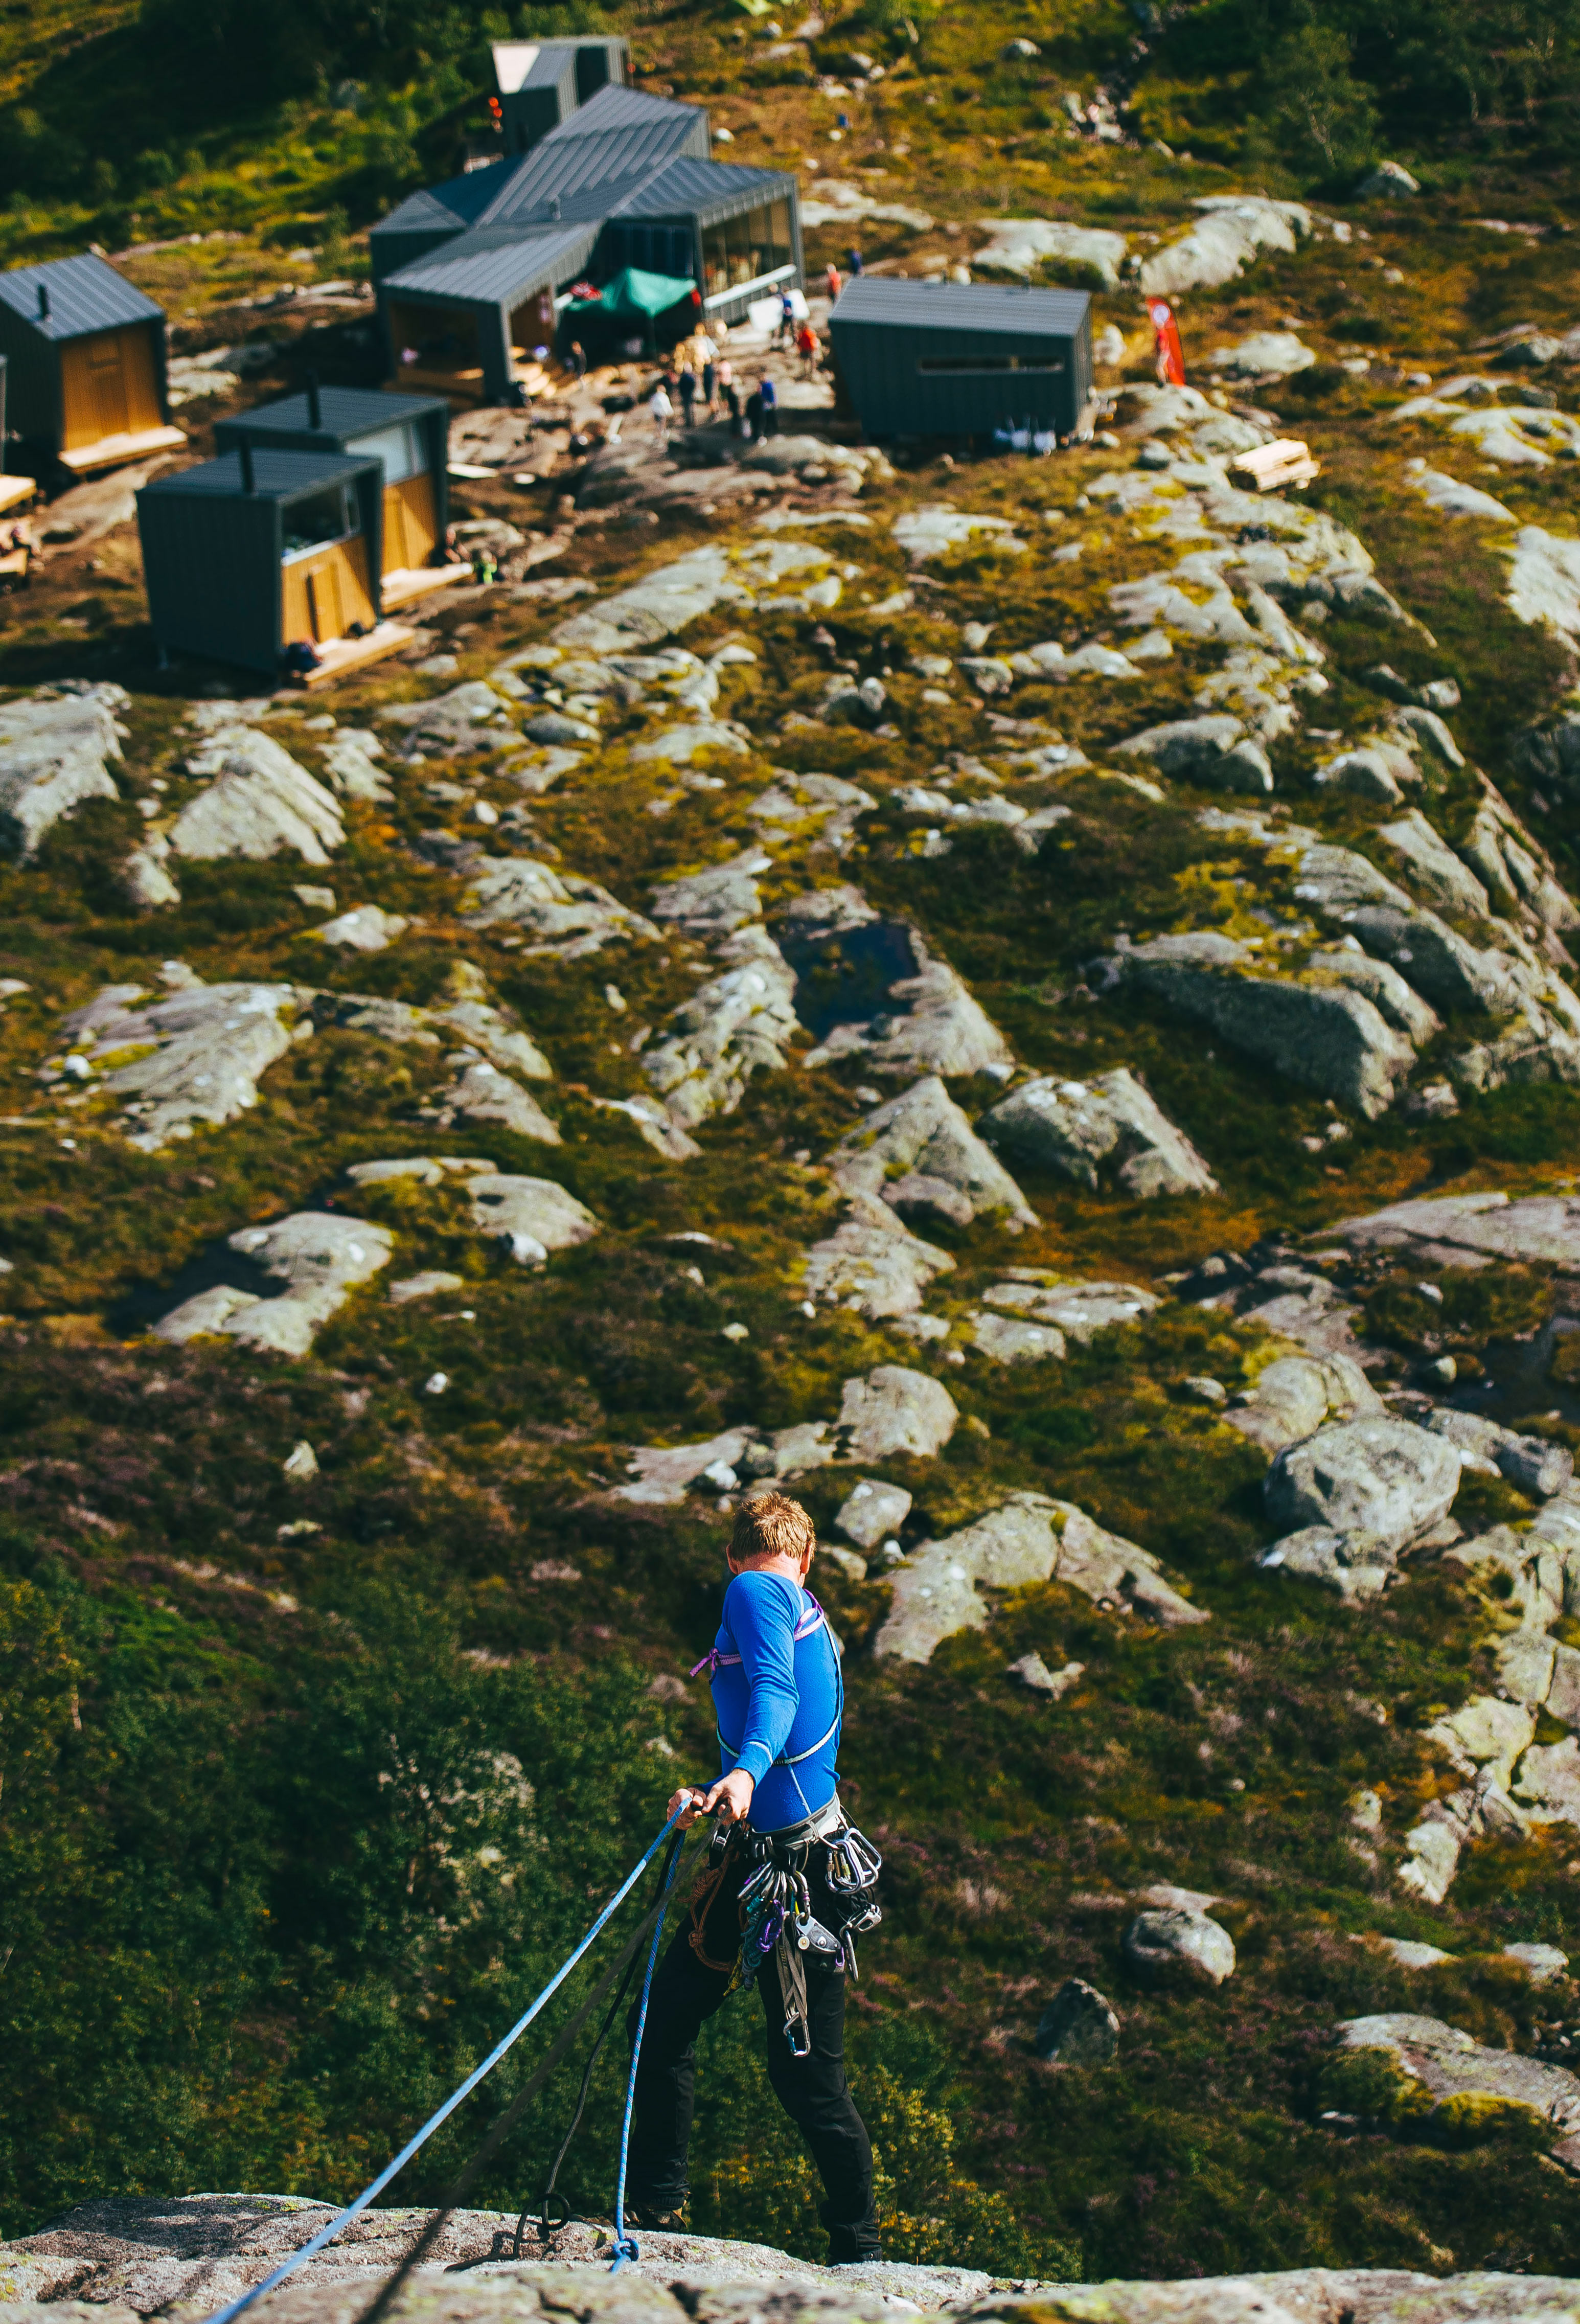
{"x":111,"y":2263}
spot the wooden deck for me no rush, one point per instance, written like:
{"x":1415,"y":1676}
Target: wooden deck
{"x":112,"y":451}
{"x":400,"y":587}
{"x":346,"y":654}
{"x":459,"y":386}
{"x":14,"y":490}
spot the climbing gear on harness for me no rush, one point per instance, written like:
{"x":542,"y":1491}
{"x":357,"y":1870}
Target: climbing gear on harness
{"x":776,"y":1918}
{"x":354,"y":2210}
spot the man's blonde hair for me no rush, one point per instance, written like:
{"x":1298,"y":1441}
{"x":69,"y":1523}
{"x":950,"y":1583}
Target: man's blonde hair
{"x":770,"y":1524}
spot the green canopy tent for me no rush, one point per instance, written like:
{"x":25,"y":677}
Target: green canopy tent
{"x":634,"y":294}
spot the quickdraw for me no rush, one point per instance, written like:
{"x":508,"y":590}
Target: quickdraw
{"x":776,"y":1918}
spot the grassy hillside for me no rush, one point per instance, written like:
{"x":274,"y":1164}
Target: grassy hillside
{"x":304,"y":1787}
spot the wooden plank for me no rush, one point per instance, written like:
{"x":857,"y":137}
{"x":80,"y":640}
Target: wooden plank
{"x":139,"y":378}
{"x":348,"y":654}
{"x":410,"y":523}
{"x":115,"y":451}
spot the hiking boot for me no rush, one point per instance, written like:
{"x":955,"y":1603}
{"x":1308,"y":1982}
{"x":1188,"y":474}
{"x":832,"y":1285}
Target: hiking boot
{"x":656,"y":2222}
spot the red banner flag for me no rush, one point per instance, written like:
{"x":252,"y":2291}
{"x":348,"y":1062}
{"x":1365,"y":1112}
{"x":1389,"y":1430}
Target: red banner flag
{"x":1169,"y":353}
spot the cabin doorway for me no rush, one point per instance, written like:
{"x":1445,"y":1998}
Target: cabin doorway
{"x":108,"y":387}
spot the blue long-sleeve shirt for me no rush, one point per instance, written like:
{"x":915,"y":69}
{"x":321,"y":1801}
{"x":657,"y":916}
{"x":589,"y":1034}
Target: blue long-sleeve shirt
{"x":780,"y":1699}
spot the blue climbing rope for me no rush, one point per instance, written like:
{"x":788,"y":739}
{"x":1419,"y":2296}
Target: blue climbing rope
{"x":316,"y":2244}
{"x":627,"y":2246}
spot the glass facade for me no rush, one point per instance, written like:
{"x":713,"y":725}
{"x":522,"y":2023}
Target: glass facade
{"x":397,"y":448}
{"x":332,"y":514}
{"x":742,"y":250}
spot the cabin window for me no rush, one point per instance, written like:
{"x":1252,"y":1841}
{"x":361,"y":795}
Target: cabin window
{"x":313,"y":522}
{"x":954,"y":366}
{"x":741,"y":250}
{"x":399,"y":447}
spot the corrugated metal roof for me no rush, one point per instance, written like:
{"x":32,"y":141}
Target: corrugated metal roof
{"x":342,"y":411}
{"x":962,"y":307}
{"x":84,"y":295}
{"x":686,"y":186}
{"x":551,"y":67}
{"x":616,"y":106}
{"x":589,"y":168}
{"x":457,"y":203}
{"x":493,"y":263}
{"x":276,"y":476}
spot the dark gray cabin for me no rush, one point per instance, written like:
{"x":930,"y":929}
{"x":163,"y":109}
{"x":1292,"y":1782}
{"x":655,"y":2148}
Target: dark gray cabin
{"x":408,"y":435}
{"x":86,"y":353}
{"x":541,"y":83}
{"x":245,"y":554}
{"x":961,"y":359}
{"x":472,"y":275}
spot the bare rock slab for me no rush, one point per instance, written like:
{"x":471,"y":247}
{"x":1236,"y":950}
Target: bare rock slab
{"x":1027,"y":1538}
{"x":739,"y":1023}
{"x":1110,"y":1124}
{"x":1381,"y":1475}
{"x":56,"y":746}
{"x":1472,"y":1231}
{"x":193,"y":1057}
{"x":895,"y":1410}
{"x":261,"y":803}
{"x":317,"y":1258}
{"x":873,"y":1265}
{"x":1451,"y":2066}
{"x":922,"y":1133}
{"x":566,"y":916}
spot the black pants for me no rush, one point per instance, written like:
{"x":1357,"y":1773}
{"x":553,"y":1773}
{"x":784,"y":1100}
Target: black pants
{"x":813,"y":2090}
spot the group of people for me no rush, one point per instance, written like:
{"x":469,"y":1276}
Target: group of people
{"x":699,"y":373}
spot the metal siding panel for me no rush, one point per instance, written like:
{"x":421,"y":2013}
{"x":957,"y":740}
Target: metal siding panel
{"x":877,"y":301}
{"x":879,"y":365}
{"x":34,"y":379}
{"x":212,"y":570}
{"x":84,"y":295}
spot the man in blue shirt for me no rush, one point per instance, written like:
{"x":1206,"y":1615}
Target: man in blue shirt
{"x":779,"y":1700}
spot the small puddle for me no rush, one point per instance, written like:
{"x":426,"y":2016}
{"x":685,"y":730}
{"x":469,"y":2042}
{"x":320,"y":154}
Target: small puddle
{"x":845,"y":979}
{"x":1519,"y":1379}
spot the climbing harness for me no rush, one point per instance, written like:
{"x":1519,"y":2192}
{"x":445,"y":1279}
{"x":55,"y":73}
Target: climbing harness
{"x":805,"y":1627}
{"x":776,"y":1918}
{"x":414,"y":2144}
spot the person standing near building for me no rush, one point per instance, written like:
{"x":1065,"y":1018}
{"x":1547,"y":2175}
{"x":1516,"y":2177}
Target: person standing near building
{"x":578,"y":360}
{"x":768,"y":405}
{"x":781,"y":1834}
{"x":688,"y":390}
{"x":730,"y":392}
{"x":707,"y":355}
{"x":806,"y":348}
{"x":853,"y":261}
{"x":786,"y":316}
{"x":663,"y":412}
{"x":832,"y":280}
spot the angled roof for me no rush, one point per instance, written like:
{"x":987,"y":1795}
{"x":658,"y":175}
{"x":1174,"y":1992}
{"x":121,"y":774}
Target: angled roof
{"x":276,"y":476}
{"x":616,"y":106}
{"x":493,"y":263}
{"x":1019,"y":312}
{"x":446,"y":208}
{"x":528,"y":64}
{"x":342,"y":411}
{"x":84,"y":295}
{"x":687,"y":185}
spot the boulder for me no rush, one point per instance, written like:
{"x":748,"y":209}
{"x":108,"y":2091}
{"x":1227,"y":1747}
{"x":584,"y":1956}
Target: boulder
{"x":1327,"y":1037}
{"x":1530,"y":1463}
{"x":530,"y":1216}
{"x":144,"y":879}
{"x":55,"y":749}
{"x":261,"y":803}
{"x":713,"y":902}
{"x":1543,"y":1964}
{"x":872,"y":1511}
{"x":348,"y":761}
{"x":1173,"y":1946}
{"x":1214,"y":751}
{"x":928,"y":531}
{"x":1433,"y":865}
{"x":1027,"y":1538}
{"x":1355,"y":1563}
{"x":368,"y":928}
{"x":1387,"y":178}
{"x":1396,"y":1002}
{"x":1377,"y":1475}
{"x":425,"y":1285}
{"x":567,"y":917}
{"x":1374,"y":771}
{"x":1032,"y":1671}
{"x":194,"y":1057}
{"x":1079,"y":2027}
{"x":933,"y":1025}
{"x":1110,"y":1123}
{"x":1223,"y":243}
{"x":1296,"y":1394}
{"x":872,"y":1265}
{"x":894,"y":1411}
{"x":923,"y":1131}
{"x":740,"y":1023}
{"x":318,"y":1258}
{"x":663,"y":1474}
{"x":1453,"y":2070}
{"x":481,"y":1093}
